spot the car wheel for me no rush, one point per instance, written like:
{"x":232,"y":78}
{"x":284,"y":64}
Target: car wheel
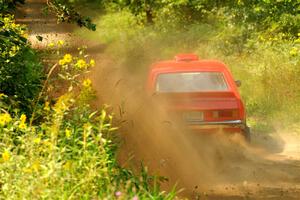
{"x":247,"y":134}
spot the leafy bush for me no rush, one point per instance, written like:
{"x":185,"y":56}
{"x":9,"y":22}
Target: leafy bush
{"x":69,"y":152}
{"x":20,"y":70}
{"x":62,"y":149}
{"x":270,"y":16}
{"x":9,"y":5}
{"x":68,"y":156}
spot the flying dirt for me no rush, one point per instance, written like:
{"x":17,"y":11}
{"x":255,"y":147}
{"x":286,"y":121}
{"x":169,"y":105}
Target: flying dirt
{"x":215,"y":166}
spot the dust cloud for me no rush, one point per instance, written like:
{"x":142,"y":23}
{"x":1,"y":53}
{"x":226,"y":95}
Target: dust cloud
{"x":203,"y":164}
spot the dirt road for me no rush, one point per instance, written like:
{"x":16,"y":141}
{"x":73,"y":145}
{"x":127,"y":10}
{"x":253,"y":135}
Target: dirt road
{"x":268,"y":168}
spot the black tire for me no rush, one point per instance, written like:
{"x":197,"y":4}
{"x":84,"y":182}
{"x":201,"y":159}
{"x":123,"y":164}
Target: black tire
{"x":247,"y":134}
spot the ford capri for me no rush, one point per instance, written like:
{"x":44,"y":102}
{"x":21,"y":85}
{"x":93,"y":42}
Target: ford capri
{"x":202,"y":93}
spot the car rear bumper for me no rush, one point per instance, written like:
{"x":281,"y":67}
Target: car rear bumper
{"x":230,"y":126}
{"x":229,"y":122}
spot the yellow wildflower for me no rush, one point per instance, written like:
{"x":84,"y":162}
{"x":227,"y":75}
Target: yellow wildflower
{"x":92,"y":62}
{"x":2,"y":95}
{"x":68,"y":58}
{"x":6,"y":20}
{"x":25,"y":35}
{"x":67,"y":165}
{"x":62,"y":104}
{"x":51,"y":45}
{"x":33,"y":129}
{"x":60,"y":42}
{"x":294,"y":51}
{"x":68,"y":133}
{"x":22,"y":126}
{"x":87,"y":83}
{"x":23,"y":118}
{"x":80,"y":64}
{"x":37,"y":140}
{"x":13,"y":25}
{"x":6,"y":155}
{"x":36,"y":166}
{"x":47,"y":107}
{"x":48,"y":144}
{"x":5,"y":119}
{"x":27,"y":170}
{"x":61,"y":62}
{"x":14,"y":50}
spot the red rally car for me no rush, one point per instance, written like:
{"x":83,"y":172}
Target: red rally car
{"x":202,"y":92}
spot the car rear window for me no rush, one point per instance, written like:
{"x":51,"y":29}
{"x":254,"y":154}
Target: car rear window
{"x":191,"y":82}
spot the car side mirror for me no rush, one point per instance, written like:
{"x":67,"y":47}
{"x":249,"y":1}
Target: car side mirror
{"x":238,"y":83}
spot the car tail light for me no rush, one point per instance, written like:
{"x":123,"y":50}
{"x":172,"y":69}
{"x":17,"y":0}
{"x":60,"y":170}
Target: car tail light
{"x":215,"y":114}
{"x":225,"y":114}
{"x":193,"y":116}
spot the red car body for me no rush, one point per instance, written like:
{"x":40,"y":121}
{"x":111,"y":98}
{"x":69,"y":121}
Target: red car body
{"x":208,"y":107}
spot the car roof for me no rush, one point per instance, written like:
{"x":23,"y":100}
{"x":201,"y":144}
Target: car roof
{"x":188,"y":63}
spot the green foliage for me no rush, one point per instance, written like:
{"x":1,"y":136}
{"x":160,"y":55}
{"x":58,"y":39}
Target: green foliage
{"x":9,"y":5}
{"x":66,"y":12}
{"x":274,"y":16}
{"x":267,"y":17}
{"x":68,"y":156}
{"x":68,"y":153}
{"x":20,"y":69}
{"x":150,"y":11}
